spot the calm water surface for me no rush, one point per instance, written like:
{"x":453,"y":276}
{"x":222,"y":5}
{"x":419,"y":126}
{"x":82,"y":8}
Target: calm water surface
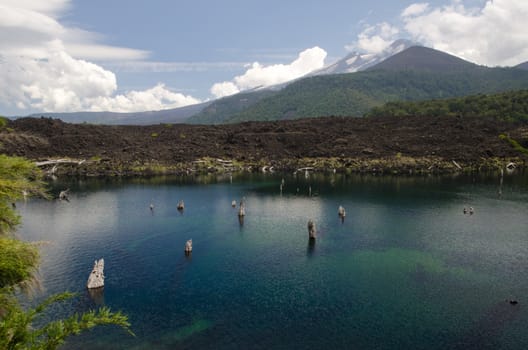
{"x":406,"y":269}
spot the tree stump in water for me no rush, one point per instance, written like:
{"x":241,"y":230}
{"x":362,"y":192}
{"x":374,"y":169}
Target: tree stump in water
{"x":311,"y":229}
{"x":96,"y":278}
{"x":181,"y":205}
{"x":188,"y":246}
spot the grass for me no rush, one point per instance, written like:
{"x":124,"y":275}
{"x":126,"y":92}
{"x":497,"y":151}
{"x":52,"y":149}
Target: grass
{"x":516,"y":145}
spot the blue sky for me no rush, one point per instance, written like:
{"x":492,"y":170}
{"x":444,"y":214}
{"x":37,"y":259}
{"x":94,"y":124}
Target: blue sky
{"x":71,"y":55}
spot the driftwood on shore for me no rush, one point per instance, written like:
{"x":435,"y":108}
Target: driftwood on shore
{"x":56,"y":162}
{"x":60,"y":161}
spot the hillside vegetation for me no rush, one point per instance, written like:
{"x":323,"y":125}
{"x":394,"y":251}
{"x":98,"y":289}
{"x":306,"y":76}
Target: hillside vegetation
{"x":222,"y":109}
{"x":355,"y":94}
{"x":510,"y":106}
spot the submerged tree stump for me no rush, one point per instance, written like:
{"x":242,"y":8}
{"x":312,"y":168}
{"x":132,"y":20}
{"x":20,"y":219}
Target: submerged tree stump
{"x":341,"y":211}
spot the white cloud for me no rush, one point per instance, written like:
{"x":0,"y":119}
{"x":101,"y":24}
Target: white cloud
{"x":415,"y":9}
{"x":27,"y":26}
{"x":494,"y":34}
{"x":156,"y":98}
{"x":259,"y":75}
{"x":43,"y":65}
{"x":165,"y":67}
{"x":374,"y":39}
{"x":225,"y":88}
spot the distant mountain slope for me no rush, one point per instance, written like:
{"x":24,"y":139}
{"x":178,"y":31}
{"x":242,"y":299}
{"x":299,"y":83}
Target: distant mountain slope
{"x":356,"y":93}
{"x":522,"y":66}
{"x":176,"y":115}
{"x":356,"y":62}
{"x":509,"y":106}
{"x":423,"y":58}
{"x":220,"y":110}
{"x":223,"y":109}
{"x":429,"y":74}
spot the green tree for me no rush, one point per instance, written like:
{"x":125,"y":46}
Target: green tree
{"x":18,"y":260}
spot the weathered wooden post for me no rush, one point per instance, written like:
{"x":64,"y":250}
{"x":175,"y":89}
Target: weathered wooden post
{"x":341,"y":212}
{"x":242,"y":208}
{"x":311,"y":229}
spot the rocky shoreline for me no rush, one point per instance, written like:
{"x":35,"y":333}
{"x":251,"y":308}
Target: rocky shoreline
{"x":392,"y":166}
{"x":408,"y":146}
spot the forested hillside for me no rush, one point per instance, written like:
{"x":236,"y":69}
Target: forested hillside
{"x":355,"y":94}
{"x":512,"y":105}
{"x":222,"y":109}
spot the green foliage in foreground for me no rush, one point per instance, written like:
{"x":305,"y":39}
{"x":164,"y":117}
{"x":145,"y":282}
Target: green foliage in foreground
{"x":18,"y":260}
{"x":509,"y":106}
{"x":16,"y":331}
{"x":18,"y":178}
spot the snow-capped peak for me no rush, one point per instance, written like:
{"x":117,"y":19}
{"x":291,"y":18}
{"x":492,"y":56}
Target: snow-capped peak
{"x":355,"y":61}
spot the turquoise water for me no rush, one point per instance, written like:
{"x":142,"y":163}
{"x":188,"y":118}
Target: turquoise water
{"x":406,"y":269}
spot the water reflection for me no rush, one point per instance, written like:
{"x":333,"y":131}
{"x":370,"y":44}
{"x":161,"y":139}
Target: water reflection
{"x":97,"y":295}
{"x":311,"y":247}
{"x":405,"y":250}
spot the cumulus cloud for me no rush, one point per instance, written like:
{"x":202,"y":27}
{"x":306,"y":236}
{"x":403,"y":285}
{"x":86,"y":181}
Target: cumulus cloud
{"x":375,"y":38}
{"x":494,"y":34}
{"x":44,"y":65}
{"x":27,"y":27}
{"x":415,"y":9}
{"x":258,"y":75}
{"x":225,"y":88}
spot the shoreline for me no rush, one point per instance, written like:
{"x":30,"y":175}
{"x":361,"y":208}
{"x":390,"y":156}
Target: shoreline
{"x":399,"y":165}
{"x":383,"y":145}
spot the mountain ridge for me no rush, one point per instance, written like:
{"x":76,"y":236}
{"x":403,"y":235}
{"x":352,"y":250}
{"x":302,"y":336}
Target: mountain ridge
{"x":523,"y":65}
{"x":336,"y":92}
{"x":174,"y":115}
{"x":424,"y":58}
{"x":354,"y":94}
{"x":356,"y":62}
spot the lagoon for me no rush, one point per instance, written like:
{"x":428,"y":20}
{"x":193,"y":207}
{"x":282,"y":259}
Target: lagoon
{"x":406,"y":269}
